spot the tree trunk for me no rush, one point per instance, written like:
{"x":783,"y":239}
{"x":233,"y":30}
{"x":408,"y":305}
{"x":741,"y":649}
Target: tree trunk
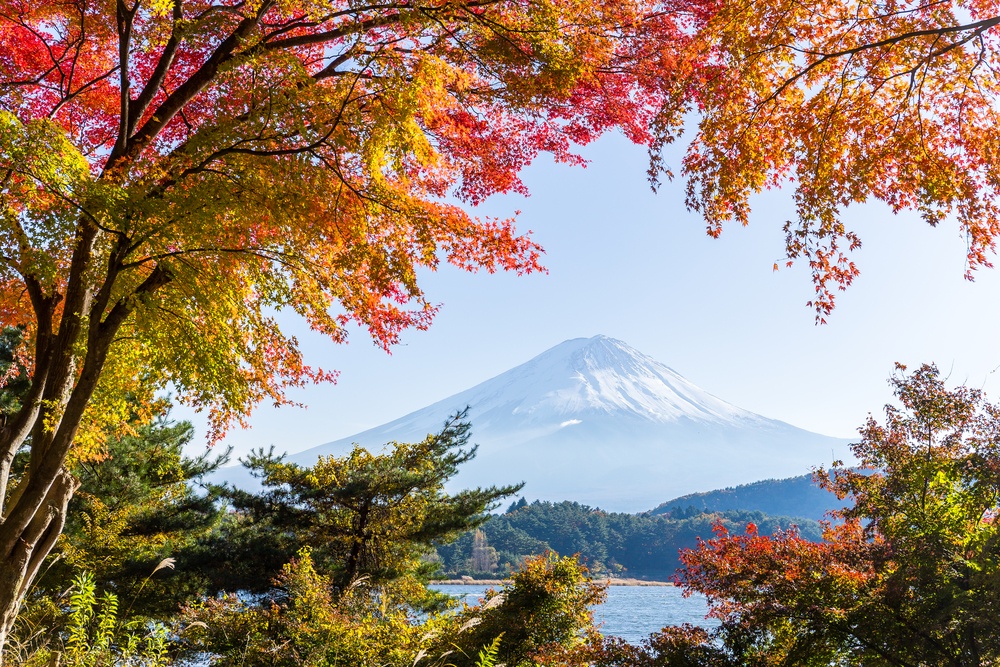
{"x":69,"y":360}
{"x":19,"y":567}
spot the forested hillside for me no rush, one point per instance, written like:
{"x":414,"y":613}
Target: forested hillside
{"x":631,"y":545}
{"x":794,"y":496}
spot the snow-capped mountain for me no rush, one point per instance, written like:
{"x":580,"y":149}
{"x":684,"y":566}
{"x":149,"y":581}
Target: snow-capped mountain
{"x":596,"y":421}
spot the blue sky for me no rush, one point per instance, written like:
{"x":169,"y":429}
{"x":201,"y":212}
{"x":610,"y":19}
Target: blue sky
{"x":637,"y":266}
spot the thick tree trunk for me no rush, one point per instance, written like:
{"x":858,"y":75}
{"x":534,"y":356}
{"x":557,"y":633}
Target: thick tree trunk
{"x":33,"y":513}
{"x":35,"y":508}
{"x":19,"y":567}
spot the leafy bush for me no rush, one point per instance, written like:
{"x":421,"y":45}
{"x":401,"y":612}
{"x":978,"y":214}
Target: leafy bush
{"x":94,"y":636}
{"x":544,"y":608}
{"x":909,"y":577}
{"x":306,"y":627}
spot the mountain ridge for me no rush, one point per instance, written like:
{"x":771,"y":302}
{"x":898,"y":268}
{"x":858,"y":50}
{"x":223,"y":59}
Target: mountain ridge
{"x":595,"y":420}
{"x":792,"y":497}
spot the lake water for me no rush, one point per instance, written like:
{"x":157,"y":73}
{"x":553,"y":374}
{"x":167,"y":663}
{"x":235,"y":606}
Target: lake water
{"x":631,"y":612}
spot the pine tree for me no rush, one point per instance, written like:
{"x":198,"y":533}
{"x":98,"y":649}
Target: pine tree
{"x":370,"y":518}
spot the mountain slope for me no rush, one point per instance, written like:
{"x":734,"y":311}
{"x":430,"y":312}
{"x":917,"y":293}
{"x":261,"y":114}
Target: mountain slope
{"x":597,"y":421}
{"x":794,"y":497}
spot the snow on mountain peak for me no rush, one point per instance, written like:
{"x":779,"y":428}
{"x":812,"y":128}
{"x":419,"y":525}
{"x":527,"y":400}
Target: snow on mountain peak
{"x":601,"y":375}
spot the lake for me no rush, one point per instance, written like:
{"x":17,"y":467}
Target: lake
{"x":631,"y":612}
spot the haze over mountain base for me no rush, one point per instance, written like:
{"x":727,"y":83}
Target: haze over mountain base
{"x":596,"y":421}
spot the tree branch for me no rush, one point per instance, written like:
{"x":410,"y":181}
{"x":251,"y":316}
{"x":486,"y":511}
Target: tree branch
{"x":156,"y":79}
{"x":187,"y":91}
{"x":54,"y":520}
{"x":976,"y":28}
{"x":125,"y":18}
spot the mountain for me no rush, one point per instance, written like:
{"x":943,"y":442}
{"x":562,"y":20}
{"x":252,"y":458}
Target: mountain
{"x":793,"y":497}
{"x":597,"y":421}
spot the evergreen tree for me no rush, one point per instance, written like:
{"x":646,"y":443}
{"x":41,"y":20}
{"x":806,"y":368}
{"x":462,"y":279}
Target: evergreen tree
{"x":369,"y":518}
{"x":140,"y":509}
{"x":14,"y":382}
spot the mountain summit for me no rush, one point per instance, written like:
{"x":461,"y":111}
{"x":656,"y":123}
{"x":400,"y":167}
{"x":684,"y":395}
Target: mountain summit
{"x":599,"y":376}
{"x":596,"y":421}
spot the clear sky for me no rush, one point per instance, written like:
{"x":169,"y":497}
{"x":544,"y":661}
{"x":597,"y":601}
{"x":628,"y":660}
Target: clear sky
{"x":637,"y":266}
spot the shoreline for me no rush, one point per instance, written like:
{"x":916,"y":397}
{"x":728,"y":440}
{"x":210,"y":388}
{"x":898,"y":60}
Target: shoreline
{"x":498,"y":582}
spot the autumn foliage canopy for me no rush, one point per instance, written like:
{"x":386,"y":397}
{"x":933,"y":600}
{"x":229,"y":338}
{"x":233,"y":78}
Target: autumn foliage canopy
{"x":172,"y":173}
{"x":234,"y":158}
{"x":844,"y":102}
{"x":908,"y":572}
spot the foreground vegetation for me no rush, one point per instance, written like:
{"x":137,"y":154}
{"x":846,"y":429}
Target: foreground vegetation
{"x":328,"y":566}
{"x":909,"y":573}
{"x":241,"y":586}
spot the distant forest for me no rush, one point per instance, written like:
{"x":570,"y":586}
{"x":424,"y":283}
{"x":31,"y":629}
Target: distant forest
{"x":795,"y":496}
{"x":643,"y":546}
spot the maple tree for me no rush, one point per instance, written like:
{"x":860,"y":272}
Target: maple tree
{"x":847,"y":101}
{"x":907,"y":575}
{"x":173,"y":172}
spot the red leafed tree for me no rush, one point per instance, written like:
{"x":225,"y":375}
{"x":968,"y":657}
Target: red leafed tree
{"x":848,"y":101}
{"x":908,"y":575}
{"x":172,"y":172}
